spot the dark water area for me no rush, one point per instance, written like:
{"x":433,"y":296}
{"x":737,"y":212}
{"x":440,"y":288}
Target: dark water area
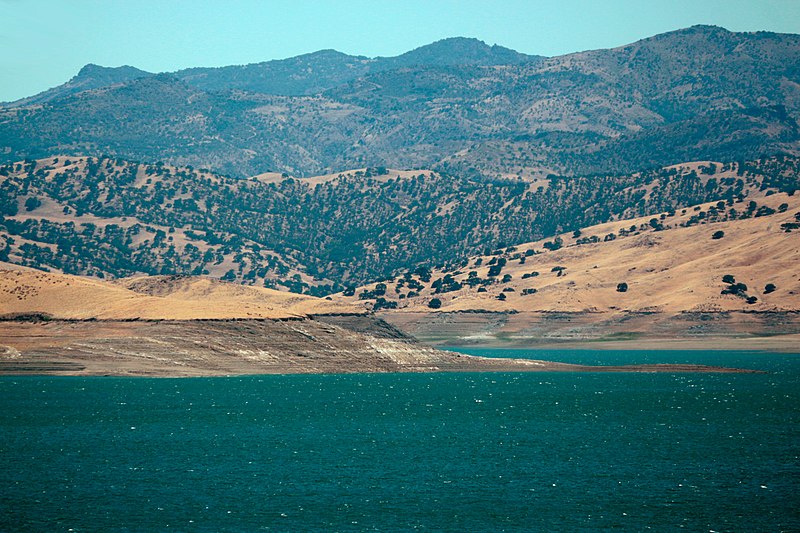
{"x":472,"y":452}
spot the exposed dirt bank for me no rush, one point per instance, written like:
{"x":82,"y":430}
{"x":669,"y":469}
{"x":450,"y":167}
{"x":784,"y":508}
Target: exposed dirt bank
{"x":334,"y":344}
{"x":766,"y":331}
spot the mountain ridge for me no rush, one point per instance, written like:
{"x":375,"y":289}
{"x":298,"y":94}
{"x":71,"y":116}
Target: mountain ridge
{"x":699,"y":93}
{"x":449,"y":51}
{"x":435,"y":53}
{"x":89,"y":77}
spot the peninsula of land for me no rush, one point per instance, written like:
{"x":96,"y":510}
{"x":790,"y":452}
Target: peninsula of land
{"x":55,"y":324}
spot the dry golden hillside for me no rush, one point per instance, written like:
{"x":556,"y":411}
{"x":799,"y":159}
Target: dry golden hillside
{"x":26,"y":291}
{"x":670,"y":263}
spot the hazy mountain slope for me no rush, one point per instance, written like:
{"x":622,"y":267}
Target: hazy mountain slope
{"x":306,"y":74}
{"x":658,"y":94}
{"x":456,"y":51}
{"x":314,"y":73}
{"x":89,"y":77}
{"x":699,"y":93}
{"x":303,"y":75}
{"x":162,"y":118}
{"x":116,"y":218}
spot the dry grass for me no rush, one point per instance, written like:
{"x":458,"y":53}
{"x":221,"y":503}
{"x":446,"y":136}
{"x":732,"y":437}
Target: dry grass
{"x":677,"y":269}
{"x":24,"y":291}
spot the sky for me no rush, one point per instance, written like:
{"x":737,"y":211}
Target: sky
{"x":43,"y":43}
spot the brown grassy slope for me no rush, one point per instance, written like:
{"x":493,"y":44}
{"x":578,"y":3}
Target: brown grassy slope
{"x":673,"y":270}
{"x":25,"y":290}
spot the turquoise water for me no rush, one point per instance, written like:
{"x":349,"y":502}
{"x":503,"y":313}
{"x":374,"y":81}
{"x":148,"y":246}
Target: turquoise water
{"x":472,"y":452}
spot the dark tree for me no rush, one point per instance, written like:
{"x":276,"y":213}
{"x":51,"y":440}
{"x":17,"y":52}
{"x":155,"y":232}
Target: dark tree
{"x":622,"y":287}
{"x":495,"y":270}
{"x":32,"y":203}
{"x":435,"y":303}
{"x":554,"y":245}
{"x":718,"y":235}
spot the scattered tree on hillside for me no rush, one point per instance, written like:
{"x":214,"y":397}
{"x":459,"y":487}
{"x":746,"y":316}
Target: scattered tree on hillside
{"x":497,"y":267}
{"x":32,"y":203}
{"x":383,"y":303}
{"x":736,"y":289}
{"x":554,"y":245}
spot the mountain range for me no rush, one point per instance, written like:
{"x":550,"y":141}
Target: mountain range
{"x":457,"y":106}
{"x":303,"y":75}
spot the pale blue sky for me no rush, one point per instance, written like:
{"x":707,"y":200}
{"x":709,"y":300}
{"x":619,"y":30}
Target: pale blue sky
{"x":45,"y":42}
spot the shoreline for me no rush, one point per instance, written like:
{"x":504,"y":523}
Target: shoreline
{"x":320,"y":345}
{"x":499,"y":365}
{"x":776,"y":332}
{"x":788,"y":344}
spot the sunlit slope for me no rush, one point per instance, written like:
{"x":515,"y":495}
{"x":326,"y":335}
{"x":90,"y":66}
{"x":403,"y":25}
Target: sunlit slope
{"x":26,"y":291}
{"x":667,"y":264}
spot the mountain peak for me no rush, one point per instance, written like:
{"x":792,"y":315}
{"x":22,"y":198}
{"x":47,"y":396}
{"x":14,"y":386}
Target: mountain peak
{"x":89,"y":70}
{"x":91,"y":76}
{"x":702,"y":31}
{"x":461,"y":51}
{"x":109,"y":74}
{"x":705,"y":27}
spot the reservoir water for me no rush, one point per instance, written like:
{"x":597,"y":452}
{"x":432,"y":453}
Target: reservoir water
{"x":463,"y":452}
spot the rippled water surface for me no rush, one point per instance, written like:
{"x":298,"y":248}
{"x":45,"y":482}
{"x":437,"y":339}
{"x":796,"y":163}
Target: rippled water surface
{"x":400,"y":451}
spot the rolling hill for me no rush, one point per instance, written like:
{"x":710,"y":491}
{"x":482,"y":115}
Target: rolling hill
{"x":713,"y":276}
{"x":671,"y":263}
{"x":115,"y":218}
{"x":157,"y":326}
{"x":25,"y":291}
